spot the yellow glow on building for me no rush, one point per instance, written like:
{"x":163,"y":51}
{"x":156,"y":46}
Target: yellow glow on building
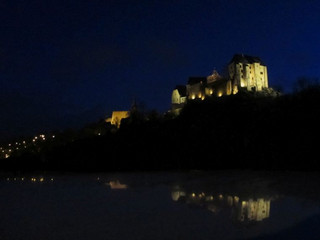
{"x":219,"y":94}
{"x":117,"y":116}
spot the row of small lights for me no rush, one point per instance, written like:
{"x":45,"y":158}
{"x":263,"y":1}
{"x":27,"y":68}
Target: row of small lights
{"x":202,"y":97}
{"x":16,"y":145}
{"x":203,"y":195}
{"x":33,"y":179}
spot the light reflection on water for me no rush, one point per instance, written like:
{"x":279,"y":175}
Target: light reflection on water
{"x":243,"y":209}
{"x":160,"y":206}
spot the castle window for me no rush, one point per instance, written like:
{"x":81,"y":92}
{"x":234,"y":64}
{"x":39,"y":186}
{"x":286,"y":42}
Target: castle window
{"x":261,"y":72}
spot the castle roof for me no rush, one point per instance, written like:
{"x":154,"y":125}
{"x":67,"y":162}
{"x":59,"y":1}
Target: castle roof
{"x":182,"y":89}
{"x":241,"y":58}
{"x":195,"y":80}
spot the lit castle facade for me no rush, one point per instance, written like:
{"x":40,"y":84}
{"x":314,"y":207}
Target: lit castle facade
{"x":244,"y":72}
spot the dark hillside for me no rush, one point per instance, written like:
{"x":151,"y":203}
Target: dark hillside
{"x":243,"y":131}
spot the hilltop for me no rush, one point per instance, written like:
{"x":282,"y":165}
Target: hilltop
{"x":243,"y":131}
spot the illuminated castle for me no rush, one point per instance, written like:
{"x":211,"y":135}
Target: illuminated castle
{"x":244,"y":72}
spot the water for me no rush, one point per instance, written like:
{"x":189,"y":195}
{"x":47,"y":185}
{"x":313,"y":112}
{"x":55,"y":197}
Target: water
{"x":196,"y":205}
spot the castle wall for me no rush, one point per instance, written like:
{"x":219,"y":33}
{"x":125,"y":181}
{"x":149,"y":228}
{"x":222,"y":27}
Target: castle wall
{"x":195,"y":91}
{"x":117,"y":116}
{"x":175,"y":97}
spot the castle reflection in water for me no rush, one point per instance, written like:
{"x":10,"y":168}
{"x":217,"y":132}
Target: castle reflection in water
{"x":244,"y":209}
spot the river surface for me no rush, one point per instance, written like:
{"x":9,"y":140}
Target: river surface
{"x":166,"y":205}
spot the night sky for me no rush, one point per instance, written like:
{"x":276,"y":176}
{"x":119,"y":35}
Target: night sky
{"x":67,"y":63}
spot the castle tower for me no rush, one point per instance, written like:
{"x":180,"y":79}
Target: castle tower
{"x":247,"y":72}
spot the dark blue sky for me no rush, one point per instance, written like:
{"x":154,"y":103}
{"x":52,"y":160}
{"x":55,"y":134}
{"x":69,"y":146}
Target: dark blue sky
{"x":67,"y":63}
